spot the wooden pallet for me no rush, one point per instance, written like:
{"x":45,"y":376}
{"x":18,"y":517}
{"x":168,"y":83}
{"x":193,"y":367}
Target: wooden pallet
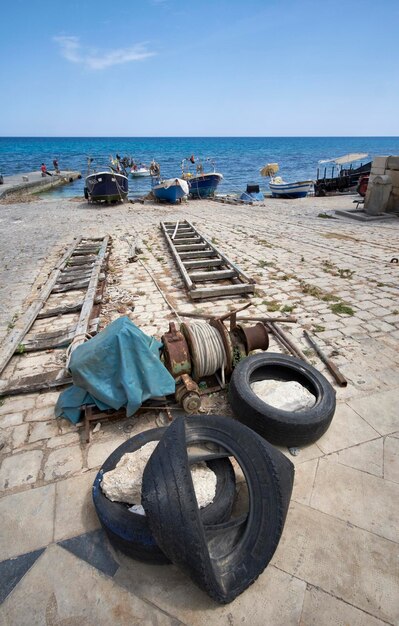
{"x":79,"y":269}
{"x":200,"y":263}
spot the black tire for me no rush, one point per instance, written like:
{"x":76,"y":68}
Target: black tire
{"x":285,"y":428}
{"x":223,"y":559}
{"x":129,"y":532}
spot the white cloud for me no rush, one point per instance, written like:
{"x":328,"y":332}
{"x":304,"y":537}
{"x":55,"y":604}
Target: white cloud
{"x":72,"y":50}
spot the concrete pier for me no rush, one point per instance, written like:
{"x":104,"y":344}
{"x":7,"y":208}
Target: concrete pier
{"x":34,"y":181}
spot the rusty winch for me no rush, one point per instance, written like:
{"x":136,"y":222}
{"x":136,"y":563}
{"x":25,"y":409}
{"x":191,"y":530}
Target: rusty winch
{"x":202,"y":349}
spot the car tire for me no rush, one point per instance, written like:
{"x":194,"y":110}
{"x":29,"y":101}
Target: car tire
{"x":222,"y":559}
{"x":285,"y":428}
{"x":130,"y":532}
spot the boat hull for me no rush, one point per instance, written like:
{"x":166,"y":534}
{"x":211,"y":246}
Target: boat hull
{"x":291,"y":190}
{"x":169,"y":191}
{"x":204,"y":186}
{"x":106,"y":187}
{"x":140,"y":173}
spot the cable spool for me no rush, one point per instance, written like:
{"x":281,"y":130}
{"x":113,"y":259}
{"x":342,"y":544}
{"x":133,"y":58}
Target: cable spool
{"x":207,"y":351}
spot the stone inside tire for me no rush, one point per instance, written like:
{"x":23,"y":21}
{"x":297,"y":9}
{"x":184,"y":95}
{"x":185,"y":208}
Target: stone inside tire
{"x":130,"y":532}
{"x":285,"y":428}
{"x":226,"y":558}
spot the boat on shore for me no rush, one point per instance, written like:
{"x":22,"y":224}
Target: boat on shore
{"x":171,"y":190}
{"x":343,"y":177}
{"x":282,"y":189}
{"x":107,"y":187}
{"x":201,"y":184}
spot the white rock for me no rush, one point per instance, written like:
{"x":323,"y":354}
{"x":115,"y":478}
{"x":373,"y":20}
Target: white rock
{"x":285,"y":395}
{"x":123,"y":484}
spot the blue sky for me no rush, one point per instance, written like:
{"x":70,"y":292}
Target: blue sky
{"x":184,"y":68}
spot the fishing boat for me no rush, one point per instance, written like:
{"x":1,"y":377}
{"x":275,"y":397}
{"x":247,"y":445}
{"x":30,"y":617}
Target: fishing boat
{"x":139,"y":171}
{"x":106,"y":187}
{"x":201,"y":184}
{"x":282,"y":189}
{"x":343,"y":177}
{"x":171,"y":190}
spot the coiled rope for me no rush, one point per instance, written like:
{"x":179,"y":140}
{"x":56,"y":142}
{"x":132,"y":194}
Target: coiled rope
{"x":208,"y":353}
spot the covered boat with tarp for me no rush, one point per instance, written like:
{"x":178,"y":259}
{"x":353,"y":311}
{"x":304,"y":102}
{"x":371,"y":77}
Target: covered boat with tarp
{"x":282,"y":189}
{"x":341,"y":174}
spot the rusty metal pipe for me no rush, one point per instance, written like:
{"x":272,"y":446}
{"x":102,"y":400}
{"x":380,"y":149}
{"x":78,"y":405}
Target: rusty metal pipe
{"x":290,"y":319}
{"x":289,"y":342}
{"x":341,"y":380}
{"x":279,"y":339}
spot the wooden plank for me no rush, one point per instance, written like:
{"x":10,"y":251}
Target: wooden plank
{"x":191,"y":247}
{"x":61,"y":310}
{"x":200,"y":277}
{"x":14,"y":338}
{"x":75,"y":286}
{"x":70,"y":278}
{"x":39,"y":382}
{"x":225,"y":290}
{"x":83,"y":323}
{"x":49,"y":342}
{"x":198,"y":254}
{"x":206,"y":263}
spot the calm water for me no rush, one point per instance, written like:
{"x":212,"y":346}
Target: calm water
{"x":237,"y":158}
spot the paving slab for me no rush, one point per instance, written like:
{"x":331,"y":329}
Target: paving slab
{"x":380,"y":410}
{"x":322,"y":609}
{"x":20,"y":469}
{"x":391,"y":458}
{"x":275,"y":598}
{"x":347,"y":429}
{"x":357,"y":497}
{"x":27,"y":521}
{"x":63,"y":462}
{"x":62,"y":589}
{"x":74,"y":510}
{"x":349,"y":563}
{"x":368,"y":457}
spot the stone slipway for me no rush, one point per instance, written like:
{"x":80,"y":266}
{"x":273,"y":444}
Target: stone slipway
{"x":33,"y":181}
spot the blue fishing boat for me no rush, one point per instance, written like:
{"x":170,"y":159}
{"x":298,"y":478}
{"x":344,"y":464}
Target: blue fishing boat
{"x":171,"y":190}
{"x":201,"y":184}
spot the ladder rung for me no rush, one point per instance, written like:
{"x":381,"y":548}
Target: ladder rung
{"x":206,"y":263}
{"x":200,"y":277}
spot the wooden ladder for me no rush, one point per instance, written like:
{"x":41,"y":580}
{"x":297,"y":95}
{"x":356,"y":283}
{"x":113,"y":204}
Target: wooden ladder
{"x":79,"y":269}
{"x":200,"y":263}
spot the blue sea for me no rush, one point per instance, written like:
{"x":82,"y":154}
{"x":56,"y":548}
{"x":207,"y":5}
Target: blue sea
{"x":239,"y":159}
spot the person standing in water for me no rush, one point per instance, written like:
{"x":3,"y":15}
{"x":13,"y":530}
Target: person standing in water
{"x":55,"y":164}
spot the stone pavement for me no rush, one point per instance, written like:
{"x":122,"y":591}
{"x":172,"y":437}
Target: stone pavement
{"x":337,"y":562}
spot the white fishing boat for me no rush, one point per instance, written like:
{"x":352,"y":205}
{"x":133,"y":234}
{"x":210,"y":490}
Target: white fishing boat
{"x":139,"y":171}
{"x":282,"y":189}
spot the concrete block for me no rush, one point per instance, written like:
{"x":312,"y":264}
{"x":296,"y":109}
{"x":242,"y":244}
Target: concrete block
{"x":392,"y":163}
{"x":379,"y":161}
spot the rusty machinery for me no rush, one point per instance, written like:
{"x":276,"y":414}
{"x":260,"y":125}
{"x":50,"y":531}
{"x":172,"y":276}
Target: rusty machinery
{"x":198,"y":351}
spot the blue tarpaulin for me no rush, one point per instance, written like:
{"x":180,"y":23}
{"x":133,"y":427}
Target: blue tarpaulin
{"x":118,"y":367}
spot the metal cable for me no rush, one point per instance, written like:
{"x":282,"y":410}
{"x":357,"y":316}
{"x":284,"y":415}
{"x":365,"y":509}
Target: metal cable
{"x":209,"y":354}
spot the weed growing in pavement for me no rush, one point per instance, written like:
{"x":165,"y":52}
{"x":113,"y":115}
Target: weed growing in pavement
{"x":395,"y":312}
{"x":318,"y":293}
{"x":325,"y":216}
{"x":317,"y":328}
{"x":380,"y":284}
{"x":263,"y":263}
{"x":287,"y":308}
{"x":308,"y":352}
{"x":331,"y":268}
{"x":272,"y":306}
{"x":340,"y":308}
{"x":265,"y":243}
{"x":21,"y":348}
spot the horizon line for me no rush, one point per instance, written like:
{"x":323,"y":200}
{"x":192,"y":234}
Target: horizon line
{"x":198,"y":136}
